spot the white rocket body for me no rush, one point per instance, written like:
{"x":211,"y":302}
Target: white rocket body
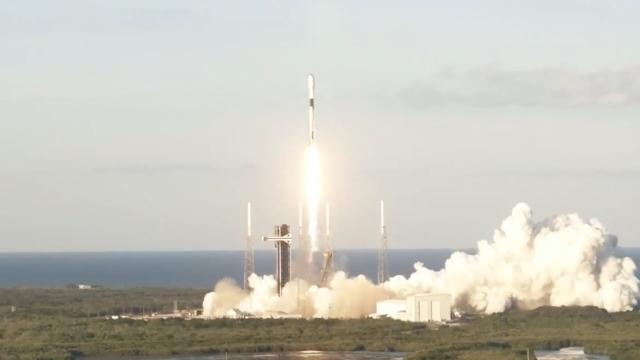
{"x":312,"y":129}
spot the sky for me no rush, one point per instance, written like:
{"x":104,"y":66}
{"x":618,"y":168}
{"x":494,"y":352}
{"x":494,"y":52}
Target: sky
{"x":149,"y":124}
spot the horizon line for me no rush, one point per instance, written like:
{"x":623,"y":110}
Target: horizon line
{"x":233,"y":250}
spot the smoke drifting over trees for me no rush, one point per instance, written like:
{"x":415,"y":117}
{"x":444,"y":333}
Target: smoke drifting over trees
{"x":561,"y":260}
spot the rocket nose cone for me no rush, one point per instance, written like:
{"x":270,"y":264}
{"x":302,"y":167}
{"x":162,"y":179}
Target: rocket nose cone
{"x":310,"y":81}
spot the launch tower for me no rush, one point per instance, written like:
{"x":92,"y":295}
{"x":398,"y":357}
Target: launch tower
{"x":282,"y":239}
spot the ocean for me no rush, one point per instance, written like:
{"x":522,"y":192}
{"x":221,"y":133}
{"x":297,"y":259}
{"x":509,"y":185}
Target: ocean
{"x":192,"y":269}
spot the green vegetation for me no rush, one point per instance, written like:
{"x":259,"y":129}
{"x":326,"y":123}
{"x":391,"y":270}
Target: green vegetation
{"x":63,"y":323}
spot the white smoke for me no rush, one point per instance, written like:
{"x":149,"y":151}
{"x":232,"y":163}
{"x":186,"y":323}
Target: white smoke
{"x":562,"y":260}
{"x":343,"y":298}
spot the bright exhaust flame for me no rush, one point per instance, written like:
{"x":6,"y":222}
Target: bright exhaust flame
{"x":312,"y":194}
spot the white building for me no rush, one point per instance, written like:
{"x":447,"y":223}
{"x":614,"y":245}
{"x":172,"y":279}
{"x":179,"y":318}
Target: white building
{"x":429,"y":307}
{"x":417,"y":308}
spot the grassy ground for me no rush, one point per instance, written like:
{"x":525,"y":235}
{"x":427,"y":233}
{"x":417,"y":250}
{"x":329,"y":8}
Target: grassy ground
{"x":63,"y":323}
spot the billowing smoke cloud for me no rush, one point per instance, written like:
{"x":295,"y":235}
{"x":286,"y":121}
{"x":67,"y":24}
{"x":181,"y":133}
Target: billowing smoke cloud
{"x":562,"y":260}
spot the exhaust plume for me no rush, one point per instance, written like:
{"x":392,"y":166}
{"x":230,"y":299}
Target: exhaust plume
{"x":312,"y":193}
{"x":560,"y":261}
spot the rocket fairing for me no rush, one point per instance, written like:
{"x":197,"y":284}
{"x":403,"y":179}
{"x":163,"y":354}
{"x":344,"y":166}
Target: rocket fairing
{"x":312,"y":130}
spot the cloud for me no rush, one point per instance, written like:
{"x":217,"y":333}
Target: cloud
{"x":493,"y":86}
{"x":152,"y":169}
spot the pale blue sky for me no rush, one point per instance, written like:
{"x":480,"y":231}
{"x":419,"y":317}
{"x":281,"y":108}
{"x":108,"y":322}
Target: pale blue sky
{"x":147,"y":125}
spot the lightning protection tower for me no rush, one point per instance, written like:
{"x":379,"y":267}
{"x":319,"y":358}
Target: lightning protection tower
{"x":249,"y":261}
{"x":382,"y":250}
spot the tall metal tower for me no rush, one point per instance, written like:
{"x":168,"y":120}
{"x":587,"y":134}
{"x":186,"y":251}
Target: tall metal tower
{"x":249,"y":261}
{"x":328,"y":251}
{"x":382,"y":251}
{"x":282,"y":240}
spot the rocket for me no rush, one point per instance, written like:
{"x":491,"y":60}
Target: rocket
{"x":312,"y":129}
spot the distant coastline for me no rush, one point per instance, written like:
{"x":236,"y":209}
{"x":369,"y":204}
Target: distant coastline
{"x":191,"y":269}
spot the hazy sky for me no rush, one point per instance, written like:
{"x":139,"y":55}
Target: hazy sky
{"x":148,"y":125}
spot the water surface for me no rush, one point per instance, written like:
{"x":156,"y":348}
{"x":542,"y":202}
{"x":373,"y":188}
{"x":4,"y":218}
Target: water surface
{"x":197,"y":269}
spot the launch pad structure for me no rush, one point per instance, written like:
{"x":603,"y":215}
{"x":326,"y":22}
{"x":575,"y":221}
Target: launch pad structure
{"x":282,"y":239}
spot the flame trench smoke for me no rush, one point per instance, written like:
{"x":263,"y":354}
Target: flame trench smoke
{"x":312,"y":194}
{"x":562,"y":260}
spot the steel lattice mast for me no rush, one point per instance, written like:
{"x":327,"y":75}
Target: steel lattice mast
{"x":382,"y":250}
{"x":249,"y":261}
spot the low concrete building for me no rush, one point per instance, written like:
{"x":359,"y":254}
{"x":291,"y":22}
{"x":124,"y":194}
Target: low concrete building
{"x":416,"y":308}
{"x":429,"y":307}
